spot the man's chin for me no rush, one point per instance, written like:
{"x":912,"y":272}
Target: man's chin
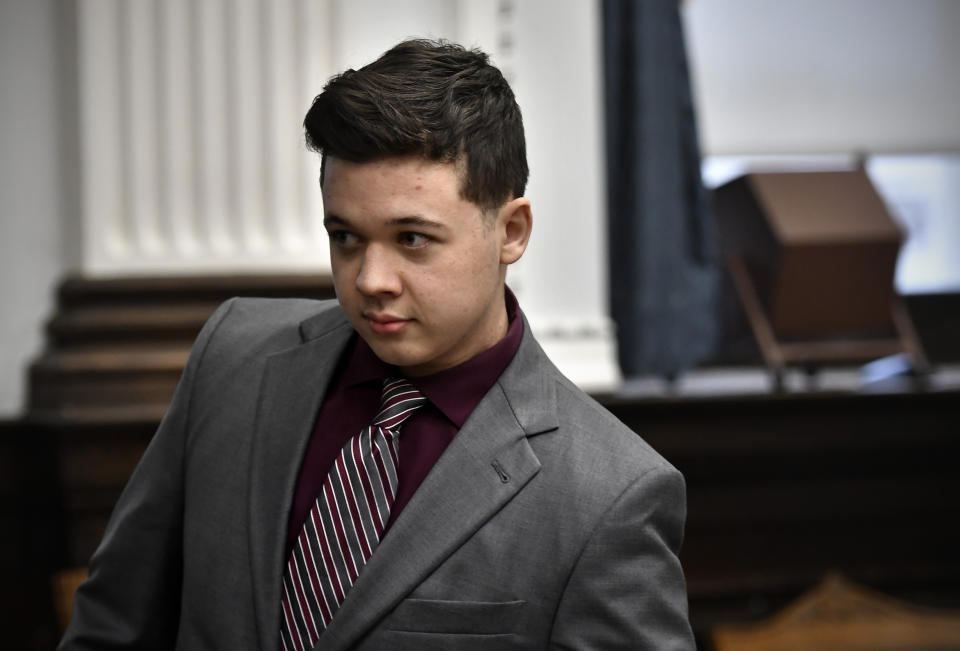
{"x":391,"y":353}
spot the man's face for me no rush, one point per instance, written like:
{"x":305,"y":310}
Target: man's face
{"x":417,"y":269}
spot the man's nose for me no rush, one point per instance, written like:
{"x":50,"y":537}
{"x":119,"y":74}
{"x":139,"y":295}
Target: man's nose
{"x":379,"y":273}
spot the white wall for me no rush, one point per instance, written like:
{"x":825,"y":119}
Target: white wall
{"x":814,"y":76}
{"x":30,"y":187}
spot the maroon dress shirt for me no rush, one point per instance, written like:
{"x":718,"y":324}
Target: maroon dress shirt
{"x":354,"y":397}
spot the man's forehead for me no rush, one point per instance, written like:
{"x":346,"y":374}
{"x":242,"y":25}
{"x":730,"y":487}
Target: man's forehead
{"x":395,"y":191}
{"x":438,"y":177}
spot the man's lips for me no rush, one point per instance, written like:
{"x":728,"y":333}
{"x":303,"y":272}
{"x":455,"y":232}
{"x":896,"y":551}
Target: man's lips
{"x":385,"y":324}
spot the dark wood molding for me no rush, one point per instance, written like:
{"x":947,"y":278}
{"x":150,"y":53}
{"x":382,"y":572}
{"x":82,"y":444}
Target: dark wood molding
{"x":116,"y":347}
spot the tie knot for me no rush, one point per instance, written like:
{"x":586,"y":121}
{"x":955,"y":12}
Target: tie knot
{"x":397,"y":403}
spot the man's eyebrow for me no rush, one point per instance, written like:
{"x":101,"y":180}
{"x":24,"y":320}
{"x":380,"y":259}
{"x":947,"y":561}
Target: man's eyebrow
{"x":416,"y":220}
{"x":330,"y":221}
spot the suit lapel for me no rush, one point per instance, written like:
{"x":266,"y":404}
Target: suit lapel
{"x":293,"y":384}
{"x":486,"y":464}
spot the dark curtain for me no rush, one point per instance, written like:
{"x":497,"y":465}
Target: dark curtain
{"x":663,"y":269}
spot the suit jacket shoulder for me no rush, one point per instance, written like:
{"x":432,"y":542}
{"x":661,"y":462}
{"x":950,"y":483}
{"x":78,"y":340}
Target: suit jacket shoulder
{"x":234,"y":348}
{"x":582,"y":436}
{"x":270,"y":324}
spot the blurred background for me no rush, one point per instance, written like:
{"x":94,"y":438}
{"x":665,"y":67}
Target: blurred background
{"x":747,"y":246}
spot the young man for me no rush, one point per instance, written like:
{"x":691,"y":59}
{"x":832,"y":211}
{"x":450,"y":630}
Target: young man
{"x":490,"y":505}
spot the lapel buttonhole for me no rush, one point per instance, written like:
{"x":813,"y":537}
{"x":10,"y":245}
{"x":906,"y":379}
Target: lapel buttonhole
{"x":504,"y":477}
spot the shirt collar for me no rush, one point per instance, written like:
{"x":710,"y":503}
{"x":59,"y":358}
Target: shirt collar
{"x":455,"y":391}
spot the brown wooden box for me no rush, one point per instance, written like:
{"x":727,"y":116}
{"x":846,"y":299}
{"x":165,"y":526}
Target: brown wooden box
{"x":821,"y":249}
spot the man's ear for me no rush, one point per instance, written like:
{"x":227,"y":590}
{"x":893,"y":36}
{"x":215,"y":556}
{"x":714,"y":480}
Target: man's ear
{"x":514,"y":223}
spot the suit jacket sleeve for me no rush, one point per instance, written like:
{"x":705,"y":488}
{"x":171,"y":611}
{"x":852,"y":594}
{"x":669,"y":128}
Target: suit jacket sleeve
{"x":627,"y":589}
{"x":132,"y":596}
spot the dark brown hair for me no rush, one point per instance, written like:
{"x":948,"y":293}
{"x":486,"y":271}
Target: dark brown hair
{"x":432,"y":99}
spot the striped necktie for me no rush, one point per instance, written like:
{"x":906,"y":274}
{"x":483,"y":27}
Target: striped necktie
{"x":346,"y":521}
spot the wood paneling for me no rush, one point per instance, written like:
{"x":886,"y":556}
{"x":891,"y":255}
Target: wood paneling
{"x":784,"y":489}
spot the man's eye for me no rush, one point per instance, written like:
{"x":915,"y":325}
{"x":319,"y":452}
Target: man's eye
{"x":414,"y":240}
{"x":342,"y":238}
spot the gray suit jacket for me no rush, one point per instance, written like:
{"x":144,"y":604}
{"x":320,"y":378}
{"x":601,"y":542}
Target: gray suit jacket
{"x":545,"y":524}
